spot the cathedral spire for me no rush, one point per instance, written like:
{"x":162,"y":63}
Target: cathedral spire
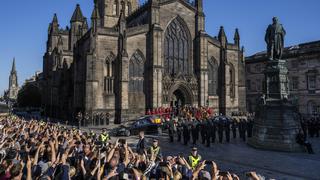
{"x":13,"y":69}
{"x":95,"y":12}
{"x":222,"y":35}
{"x":95,"y":18}
{"x":77,"y":15}
{"x":237,"y":37}
{"x":55,"y":18}
{"x":54,"y":25}
{"x":13,"y":82}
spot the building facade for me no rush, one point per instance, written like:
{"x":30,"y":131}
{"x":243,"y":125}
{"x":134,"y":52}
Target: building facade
{"x":138,"y":57}
{"x":303,"y":63}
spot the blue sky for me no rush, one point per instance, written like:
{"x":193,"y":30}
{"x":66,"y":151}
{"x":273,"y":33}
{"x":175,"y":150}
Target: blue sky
{"x":24,"y":25}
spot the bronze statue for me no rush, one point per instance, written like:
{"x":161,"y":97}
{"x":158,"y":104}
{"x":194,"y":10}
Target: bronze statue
{"x":275,"y":39}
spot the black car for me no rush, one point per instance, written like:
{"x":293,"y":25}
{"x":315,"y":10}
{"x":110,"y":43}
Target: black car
{"x":145,"y":124}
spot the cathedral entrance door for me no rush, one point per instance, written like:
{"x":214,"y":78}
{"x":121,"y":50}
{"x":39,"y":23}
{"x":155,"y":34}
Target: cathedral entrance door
{"x":180,"y":96}
{"x":178,"y":99}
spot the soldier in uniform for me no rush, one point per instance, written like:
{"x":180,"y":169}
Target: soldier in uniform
{"x":95,"y":118}
{"x":171,"y":129}
{"x":194,"y":132}
{"x":101,"y":119}
{"x":107,"y":117}
{"x":234,"y":129}
{"x":240,"y":127}
{"x":220,"y":131}
{"x":208,"y":129}
{"x":250,"y":127}
{"x":79,"y":119}
{"x":227,"y":130}
{"x":203,"y":131}
{"x":186,"y":133}
{"x":244,"y":129}
{"x":317,"y":127}
{"x":213,"y":132}
{"x":86,"y":119}
{"x":179,"y":130}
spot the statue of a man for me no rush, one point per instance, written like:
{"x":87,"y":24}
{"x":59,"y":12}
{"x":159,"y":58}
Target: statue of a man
{"x":275,"y":39}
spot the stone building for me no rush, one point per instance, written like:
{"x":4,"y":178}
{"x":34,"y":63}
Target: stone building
{"x":303,"y":63}
{"x":13,"y":90}
{"x":137,"y":57}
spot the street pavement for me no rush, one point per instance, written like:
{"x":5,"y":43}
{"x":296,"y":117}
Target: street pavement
{"x":239,"y":158}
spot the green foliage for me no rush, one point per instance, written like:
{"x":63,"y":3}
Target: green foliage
{"x":29,"y":96}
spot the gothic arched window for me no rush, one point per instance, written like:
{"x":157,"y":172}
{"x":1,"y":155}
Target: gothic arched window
{"x":232,"y":80}
{"x":176,"y":52}
{"x":212,"y":77}
{"x":128,"y":8}
{"x":115,"y":8}
{"x":109,"y":74}
{"x":136,"y":72}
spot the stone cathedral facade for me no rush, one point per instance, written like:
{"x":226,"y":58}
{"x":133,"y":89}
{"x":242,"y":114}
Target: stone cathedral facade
{"x":137,"y":57}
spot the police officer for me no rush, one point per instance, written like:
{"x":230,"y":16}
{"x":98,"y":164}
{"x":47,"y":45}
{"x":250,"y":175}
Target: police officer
{"x":104,"y":136}
{"x":194,"y":158}
{"x":155,"y":151}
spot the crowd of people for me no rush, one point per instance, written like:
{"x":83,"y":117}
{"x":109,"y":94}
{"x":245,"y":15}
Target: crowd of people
{"x":31,"y":149}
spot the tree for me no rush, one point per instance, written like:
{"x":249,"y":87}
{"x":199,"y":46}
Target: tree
{"x":29,"y":96}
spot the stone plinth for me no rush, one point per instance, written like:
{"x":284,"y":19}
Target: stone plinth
{"x":275,"y":125}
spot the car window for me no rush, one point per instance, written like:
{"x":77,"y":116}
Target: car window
{"x":145,"y":122}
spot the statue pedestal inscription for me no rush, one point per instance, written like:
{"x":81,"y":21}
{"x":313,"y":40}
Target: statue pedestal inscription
{"x":275,"y":125}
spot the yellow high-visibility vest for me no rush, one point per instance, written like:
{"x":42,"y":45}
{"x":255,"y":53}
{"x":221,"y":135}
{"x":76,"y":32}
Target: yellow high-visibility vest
{"x":155,"y":151}
{"x":194,"y":161}
{"x":104,"y":137}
